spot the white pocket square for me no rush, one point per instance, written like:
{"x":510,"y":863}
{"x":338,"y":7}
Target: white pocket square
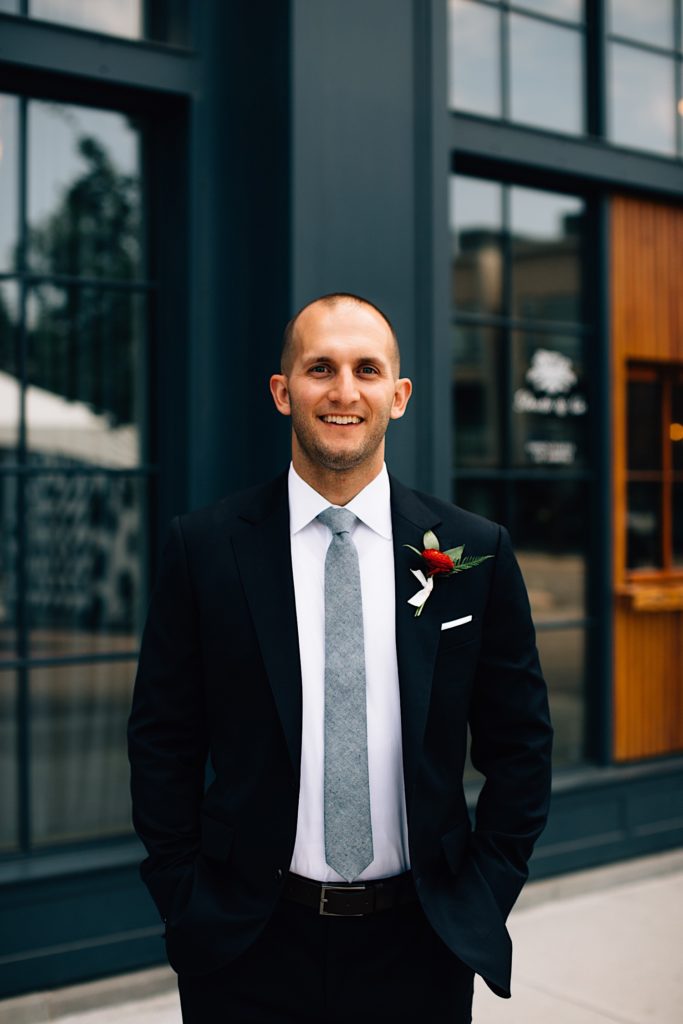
{"x":456,"y":622}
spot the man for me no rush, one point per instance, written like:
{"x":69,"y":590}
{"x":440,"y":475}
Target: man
{"x":328,"y":871}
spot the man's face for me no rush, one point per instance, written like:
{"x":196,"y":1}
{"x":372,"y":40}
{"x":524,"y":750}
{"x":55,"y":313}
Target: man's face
{"x":342,"y":387}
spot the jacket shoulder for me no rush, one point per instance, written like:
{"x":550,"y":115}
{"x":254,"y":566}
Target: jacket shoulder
{"x":454,"y":518}
{"x":251,"y":503}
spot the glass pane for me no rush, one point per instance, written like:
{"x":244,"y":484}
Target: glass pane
{"x":9,"y":6}
{"x":644,"y":412}
{"x":474,"y":58}
{"x":476,"y":237}
{"x":562,"y":654}
{"x":86,"y":550}
{"x":642,"y":109}
{"x":546,"y":231}
{"x":644,"y":526}
{"x":646,"y":21}
{"x":550,"y":402}
{"x":8,"y":567}
{"x":115,"y":17}
{"x":9,"y":181}
{"x":677,"y":532}
{"x":483,"y":497}
{"x":476,"y":396}
{"x":676,"y":426}
{"x":79,"y":768}
{"x":83,"y":192}
{"x":570,"y":10}
{"x":10,"y":391}
{"x":86,"y":371}
{"x":550,"y":534}
{"x":545,"y":75}
{"x":8,"y":761}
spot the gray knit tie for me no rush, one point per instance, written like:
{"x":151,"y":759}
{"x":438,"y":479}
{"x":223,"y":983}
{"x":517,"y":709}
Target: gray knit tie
{"x":348,"y":829}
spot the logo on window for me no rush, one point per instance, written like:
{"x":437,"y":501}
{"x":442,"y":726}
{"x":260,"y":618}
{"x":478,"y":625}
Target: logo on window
{"x":551,"y":372}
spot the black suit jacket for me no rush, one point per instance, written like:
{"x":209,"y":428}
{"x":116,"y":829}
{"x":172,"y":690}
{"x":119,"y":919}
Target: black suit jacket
{"x":219,"y":676}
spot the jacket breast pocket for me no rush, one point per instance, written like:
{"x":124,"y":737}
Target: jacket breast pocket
{"x":217,"y":838}
{"x":458,"y":636}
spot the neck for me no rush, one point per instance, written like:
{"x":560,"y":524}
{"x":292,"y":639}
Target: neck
{"x":338,"y":486}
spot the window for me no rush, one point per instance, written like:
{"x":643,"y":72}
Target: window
{"x":654,"y":519}
{"x":520,"y":408}
{"x":518,"y":61}
{"x":160,"y":20}
{"x":74,"y":480}
{"x":645,"y":88}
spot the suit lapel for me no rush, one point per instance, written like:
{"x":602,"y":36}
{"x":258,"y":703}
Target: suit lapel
{"x":262,"y":549}
{"x":417,"y":639}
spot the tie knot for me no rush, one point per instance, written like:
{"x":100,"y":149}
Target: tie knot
{"x":338,"y":520}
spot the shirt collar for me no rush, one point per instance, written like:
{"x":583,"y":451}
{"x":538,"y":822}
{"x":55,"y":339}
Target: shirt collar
{"x":372,"y":505}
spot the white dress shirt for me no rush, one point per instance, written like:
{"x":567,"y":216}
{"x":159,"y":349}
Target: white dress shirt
{"x":372,"y":535}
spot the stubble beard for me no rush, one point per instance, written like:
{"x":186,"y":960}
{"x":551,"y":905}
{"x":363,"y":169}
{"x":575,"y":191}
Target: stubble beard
{"x":333,"y":459}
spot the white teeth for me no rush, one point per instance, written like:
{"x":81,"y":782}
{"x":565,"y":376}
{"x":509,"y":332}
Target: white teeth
{"x":342,"y":420}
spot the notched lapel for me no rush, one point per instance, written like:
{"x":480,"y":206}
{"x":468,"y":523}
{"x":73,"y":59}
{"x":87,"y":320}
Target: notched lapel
{"x":417,"y":638}
{"x":262,"y":549}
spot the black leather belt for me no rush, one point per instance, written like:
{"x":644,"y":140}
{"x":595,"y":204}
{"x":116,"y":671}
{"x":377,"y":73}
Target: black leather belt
{"x":351,"y":899}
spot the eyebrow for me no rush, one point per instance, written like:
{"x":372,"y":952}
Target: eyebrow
{"x":358,"y":362}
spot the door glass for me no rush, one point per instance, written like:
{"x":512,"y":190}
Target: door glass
{"x":644,"y":21}
{"x":644,"y":425}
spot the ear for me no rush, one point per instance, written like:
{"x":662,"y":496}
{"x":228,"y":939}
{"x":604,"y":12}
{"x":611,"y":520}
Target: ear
{"x":402,"y":392}
{"x":279,"y":389}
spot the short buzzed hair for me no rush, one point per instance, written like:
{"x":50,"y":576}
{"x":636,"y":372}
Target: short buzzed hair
{"x":331,"y":299}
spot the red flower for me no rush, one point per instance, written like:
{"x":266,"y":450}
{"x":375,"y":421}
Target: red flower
{"x":438,"y":562}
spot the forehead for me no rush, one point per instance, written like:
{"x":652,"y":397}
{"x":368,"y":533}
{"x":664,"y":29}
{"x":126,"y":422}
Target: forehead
{"x":342,"y":326}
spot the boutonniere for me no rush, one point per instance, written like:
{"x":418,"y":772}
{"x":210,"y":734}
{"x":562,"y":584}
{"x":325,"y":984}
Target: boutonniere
{"x":438,"y":563}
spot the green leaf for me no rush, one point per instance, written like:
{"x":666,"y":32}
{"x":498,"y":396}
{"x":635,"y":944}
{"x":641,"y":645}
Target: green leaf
{"x":413,"y":549}
{"x":455,"y":554}
{"x":471,"y":562}
{"x":430,"y":541}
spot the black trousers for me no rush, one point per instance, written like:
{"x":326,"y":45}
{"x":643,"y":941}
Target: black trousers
{"x":304,"y":968}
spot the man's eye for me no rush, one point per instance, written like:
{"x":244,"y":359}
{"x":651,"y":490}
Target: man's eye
{"x":368,"y":370}
{"x":319,"y":369}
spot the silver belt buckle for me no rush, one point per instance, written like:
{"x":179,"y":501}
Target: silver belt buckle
{"x":325,"y":888}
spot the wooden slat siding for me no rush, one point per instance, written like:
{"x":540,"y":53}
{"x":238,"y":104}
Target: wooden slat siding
{"x":646,"y":296}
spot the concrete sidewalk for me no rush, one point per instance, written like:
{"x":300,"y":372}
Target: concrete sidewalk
{"x":597,"y":947}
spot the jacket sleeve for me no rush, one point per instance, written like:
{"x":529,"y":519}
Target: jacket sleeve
{"x":511,"y":736}
{"x":167,"y":740}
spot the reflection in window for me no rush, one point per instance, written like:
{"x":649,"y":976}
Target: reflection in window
{"x":9,"y":182}
{"x":477,"y":399}
{"x":537,"y":78}
{"x":83,"y":572}
{"x":477,"y":240}
{"x":654,"y":465}
{"x":114,"y":17}
{"x":84,"y":192}
{"x":563,"y":659}
{"x":545,"y":75}
{"x":546,"y":260}
{"x":84,"y":365}
{"x":79,"y":768}
{"x":474,"y":58}
{"x":645,"y":22}
{"x":642,"y":105}
{"x":8,"y":761}
{"x":74,"y":485}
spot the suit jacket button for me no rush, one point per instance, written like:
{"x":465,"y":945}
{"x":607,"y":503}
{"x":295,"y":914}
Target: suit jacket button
{"x":280,"y":874}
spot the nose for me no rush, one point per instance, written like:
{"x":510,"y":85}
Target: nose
{"x":345,"y":388}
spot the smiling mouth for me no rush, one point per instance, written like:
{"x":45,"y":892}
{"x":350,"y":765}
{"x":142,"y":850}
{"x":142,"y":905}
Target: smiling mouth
{"x":342,"y":421}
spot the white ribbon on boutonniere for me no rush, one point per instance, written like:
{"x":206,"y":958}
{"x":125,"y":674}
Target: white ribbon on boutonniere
{"x":418,"y":600}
